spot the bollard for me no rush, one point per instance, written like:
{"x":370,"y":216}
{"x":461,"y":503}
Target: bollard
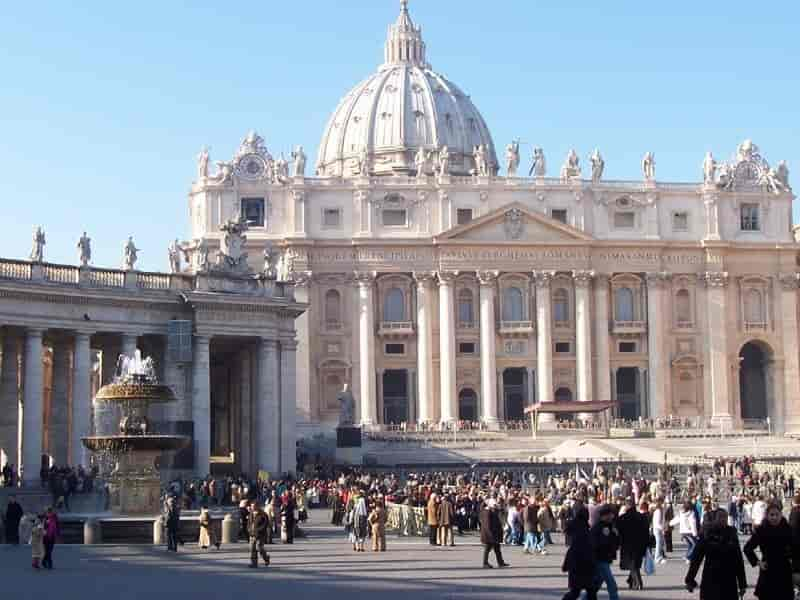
{"x":158,"y":531}
{"x":230,"y":529}
{"x":92,"y":532}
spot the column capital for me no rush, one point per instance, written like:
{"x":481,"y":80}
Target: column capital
{"x":34,"y":331}
{"x":715,"y":279}
{"x":446,"y":277}
{"x":365,"y":279}
{"x":488,"y":278}
{"x":602,"y":279}
{"x":202,"y":339}
{"x":789,"y":281}
{"x":424,"y":278}
{"x":543,"y":278}
{"x":289,"y":345}
{"x":658,"y":279}
{"x":268,"y":344}
{"x":583,"y":279}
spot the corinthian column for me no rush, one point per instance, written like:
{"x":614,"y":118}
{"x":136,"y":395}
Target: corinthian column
{"x":601,"y":315}
{"x":790,"y":412}
{"x":716,"y":338}
{"x":32,"y":408}
{"x":81,"y":398}
{"x":425,"y":346}
{"x":447,"y":347}
{"x":544,"y":339}
{"x":583,"y":337}
{"x":488,"y":281}
{"x":657,"y":354}
{"x":366,"y":347}
{"x":305,"y":412}
{"x":201,"y":405}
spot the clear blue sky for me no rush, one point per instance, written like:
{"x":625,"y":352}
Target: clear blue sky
{"x":104,"y":105}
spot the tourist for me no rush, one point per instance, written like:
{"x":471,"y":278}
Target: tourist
{"x":173,"y":520}
{"x":513,"y":525}
{"x":530,"y":523}
{"x":377,"y":521}
{"x":605,"y":542}
{"x":207,"y":535}
{"x":774,"y":539}
{"x":669,"y":514}
{"x":257,"y":527}
{"x":288,"y":521}
{"x":579,"y":561}
{"x":37,"y":541}
{"x":658,"y":532}
{"x":433,"y":519}
{"x":244,"y":513}
{"x":491,"y":534}
{"x":13,"y":517}
{"x":634,"y":533}
{"x":687,"y":528}
{"x":723,"y":573}
{"x":759,"y":511}
{"x":445,"y":517}
{"x":359,"y":517}
{"x":52,"y":529}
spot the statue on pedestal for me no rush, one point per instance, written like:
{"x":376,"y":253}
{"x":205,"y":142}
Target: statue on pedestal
{"x":571,"y":168}
{"x":512,"y":158}
{"x":421,"y":162}
{"x":37,"y":251}
{"x":598,"y":165}
{"x":85,"y":250}
{"x":649,"y":167}
{"x":174,"y":252}
{"x":444,"y":161}
{"x":130,"y":254}
{"x":299,"y":158}
{"x":224,"y":172}
{"x":538,"y":167}
{"x":281,"y":170}
{"x":346,"y":407}
{"x":709,"y":168}
{"x":202,"y":165}
{"x":481,"y":165}
{"x":271,"y":259}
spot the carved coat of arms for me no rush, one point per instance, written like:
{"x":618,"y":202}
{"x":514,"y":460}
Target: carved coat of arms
{"x":514,"y":224}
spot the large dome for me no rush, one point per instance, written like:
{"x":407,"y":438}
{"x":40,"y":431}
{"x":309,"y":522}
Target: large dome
{"x":405,"y":106}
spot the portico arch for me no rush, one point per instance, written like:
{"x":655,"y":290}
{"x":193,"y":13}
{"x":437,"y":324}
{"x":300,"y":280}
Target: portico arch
{"x":755,"y":380}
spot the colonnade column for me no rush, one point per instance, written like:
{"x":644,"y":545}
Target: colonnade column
{"x":425,"y":346}
{"x":601,"y":319}
{"x":303,"y":381}
{"x":129,"y":344}
{"x":58,"y":415}
{"x":717,"y":344}
{"x":201,"y":404}
{"x":583,"y":334}
{"x":288,"y":406}
{"x":488,"y":348}
{"x":267,"y":417}
{"x":544,"y":340}
{"x":657,"y":354}
{"x":9,"y":398}
{"x":790,"y":412}
{"x":447,"y":347}
{"x":81,"y":398}
{"x":366,"y":347}
{"x":32,"y":408}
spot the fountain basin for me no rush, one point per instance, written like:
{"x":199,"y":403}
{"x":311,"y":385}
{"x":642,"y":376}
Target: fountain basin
{"x":143,"y":392}
{"x":126,"y":443}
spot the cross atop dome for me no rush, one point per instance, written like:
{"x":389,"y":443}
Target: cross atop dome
{"x":404,"y":44}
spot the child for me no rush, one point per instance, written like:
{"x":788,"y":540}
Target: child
{"x":37,"y":542}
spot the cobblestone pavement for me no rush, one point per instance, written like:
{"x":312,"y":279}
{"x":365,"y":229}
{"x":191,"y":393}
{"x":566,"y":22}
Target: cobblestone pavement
{"x":323,"y":565}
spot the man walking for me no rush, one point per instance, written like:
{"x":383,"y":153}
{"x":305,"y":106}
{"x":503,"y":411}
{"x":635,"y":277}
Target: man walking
{"x":446,"y":515}
{"x":173,"y":522}
{"x":13,"y":517}
{"x":605,"y":543}
{"x":257,"y":526}
{"x":491,"y":534}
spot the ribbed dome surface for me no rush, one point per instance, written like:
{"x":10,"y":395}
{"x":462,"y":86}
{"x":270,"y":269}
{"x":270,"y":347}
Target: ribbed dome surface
{"x":401,"y":108}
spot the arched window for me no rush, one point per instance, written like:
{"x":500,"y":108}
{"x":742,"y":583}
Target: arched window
{"x":333,"y":308}
{"x":513,"y":304}
{"x":563,"y":394}
{"x":623,"y":304}
{"x":466,"y":307}
{"x":394,"y":306}
{"x":754,"y":307}
{"x":561,"y":306}
{"x":683,"y":306}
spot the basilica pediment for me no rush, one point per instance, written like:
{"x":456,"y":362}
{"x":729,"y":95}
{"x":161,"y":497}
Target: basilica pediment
{"x":514,"y":223}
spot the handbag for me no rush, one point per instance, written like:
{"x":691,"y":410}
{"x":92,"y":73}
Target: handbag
{"x":649,"y":563}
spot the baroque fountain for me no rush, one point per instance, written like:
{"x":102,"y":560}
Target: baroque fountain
{"x":134,"y":483}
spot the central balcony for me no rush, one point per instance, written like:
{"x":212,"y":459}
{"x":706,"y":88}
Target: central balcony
{"x":516,"y":328}
{"x":396,"y":329}
{"x":623,"y":327}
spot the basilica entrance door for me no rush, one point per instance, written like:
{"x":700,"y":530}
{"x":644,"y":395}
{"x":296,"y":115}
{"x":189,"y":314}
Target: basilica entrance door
{"x":395,"y":397}
{"x":514,"y":394}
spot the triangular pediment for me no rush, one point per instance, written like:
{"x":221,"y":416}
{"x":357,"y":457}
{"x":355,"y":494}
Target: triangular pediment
{"x":514,"y":223}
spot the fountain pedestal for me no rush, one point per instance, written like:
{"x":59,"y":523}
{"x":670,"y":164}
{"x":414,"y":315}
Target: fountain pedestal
{"x":135,"y":485}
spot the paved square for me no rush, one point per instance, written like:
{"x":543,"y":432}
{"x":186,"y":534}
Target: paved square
{"x":321,"y":566}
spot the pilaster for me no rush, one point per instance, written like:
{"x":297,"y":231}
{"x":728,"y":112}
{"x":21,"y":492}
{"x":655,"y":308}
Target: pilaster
{"x":201,"y":404}
{"x":717,"y":345}
{"x":488,"y":282}
{"x":288,"y":407}
{"x":425,"y":395}
{"x":447,"y":347}
{"x":81,"y":398}
{"x":544,"y":339}
{"x":789,"y":419}
{"x":366,"y":346}
{"x":657,"y":351}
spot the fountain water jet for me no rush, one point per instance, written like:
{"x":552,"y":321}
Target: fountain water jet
{"x":134,"y":484}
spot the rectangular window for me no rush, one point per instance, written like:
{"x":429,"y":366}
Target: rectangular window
{"x":680,"y":221}
{"x":562,"y":347}
{"x":750,"y":217}
{"x":624,"y":220}
{"x":463,"y":216}
{"x":331,"y":218}
{"x":394,"y":217}
{"x":466,"y":348}
{"x":559,"y":214}
{"x":395,"y":348}
{"x":627,"y":346}
{"x":253,"y":211}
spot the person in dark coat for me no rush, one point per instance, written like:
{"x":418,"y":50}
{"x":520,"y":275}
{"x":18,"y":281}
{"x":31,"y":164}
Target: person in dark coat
{"x":605,"y":544}
{"x":257,"y":526}
{"x":491,"y":534}
{"x":13,"y":517}
{"x":774,"y":539}
{"x":794,"y":525}
{"x":723,"y":574}
{"x":579,"y":561}
{"x":634,"y":533}
{"x":173,"y":522}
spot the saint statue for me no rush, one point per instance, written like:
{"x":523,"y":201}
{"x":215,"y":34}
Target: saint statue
{"x":130,"y":254}
{"x":346,"y":407}
{"x":85,"y":250}
{"x":444,"y":161}
{"x":421,"y":162}
{"x":201,"y":255}
{"x":281,"y":170}
{"x":538,"y":167}
{"x":598,"y":165}
{"x":224,"y":172}
{"x":512,"y":158}
{"x":571,"y":168}
{"x":299,"y":158}
{"x":649,"y":167}
{"x":709,"y":168}
{"x":202,"y":165}
{"x":782,"y":174}
{"x":363,"y":162}
{"x":479,"y":156}
{"x":37,"y":251}
{"x":271,"y":258}
{"x":174,"y":252}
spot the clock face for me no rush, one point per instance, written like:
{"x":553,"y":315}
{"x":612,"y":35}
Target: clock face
{"x":252,"y":166}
